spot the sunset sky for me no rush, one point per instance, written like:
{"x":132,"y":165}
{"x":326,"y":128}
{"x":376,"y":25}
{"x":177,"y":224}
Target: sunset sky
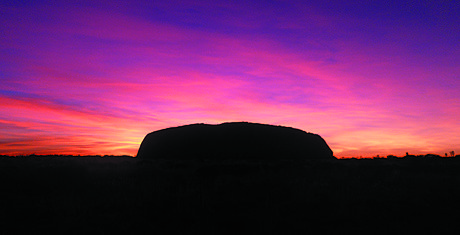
{"x":94,"y":77}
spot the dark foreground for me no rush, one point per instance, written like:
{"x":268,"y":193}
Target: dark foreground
{"x":77,"y":195}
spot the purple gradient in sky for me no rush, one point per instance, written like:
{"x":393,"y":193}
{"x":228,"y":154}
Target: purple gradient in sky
{"x":93,"y":77}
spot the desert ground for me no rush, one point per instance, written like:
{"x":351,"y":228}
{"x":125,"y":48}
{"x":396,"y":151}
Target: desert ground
{"x":103,"y":195}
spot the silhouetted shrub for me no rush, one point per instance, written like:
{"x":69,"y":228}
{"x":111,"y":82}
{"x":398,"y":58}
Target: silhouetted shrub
{"x":430,"y":155}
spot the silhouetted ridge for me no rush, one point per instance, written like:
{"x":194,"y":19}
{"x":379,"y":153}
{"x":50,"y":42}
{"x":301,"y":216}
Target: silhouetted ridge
{"x":233,"y":140}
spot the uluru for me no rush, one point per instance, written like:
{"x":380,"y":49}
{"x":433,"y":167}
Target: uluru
{"x":233,"y":140}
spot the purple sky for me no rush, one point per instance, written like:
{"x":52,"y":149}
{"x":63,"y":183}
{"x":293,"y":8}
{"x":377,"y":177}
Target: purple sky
{"x":93,"y":77}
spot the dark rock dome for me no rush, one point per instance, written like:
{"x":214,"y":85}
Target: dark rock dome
{"x":233,"y":140}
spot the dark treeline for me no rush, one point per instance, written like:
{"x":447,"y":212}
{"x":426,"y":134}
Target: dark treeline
{"x":129,"y":195}
{"x":63,"y":155}
{"x":407,"y":156}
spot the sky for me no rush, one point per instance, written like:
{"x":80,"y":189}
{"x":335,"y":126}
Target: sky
{"x":94,"y":77}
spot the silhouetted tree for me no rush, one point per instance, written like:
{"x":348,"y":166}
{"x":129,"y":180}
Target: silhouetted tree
{"x":452,"y":153}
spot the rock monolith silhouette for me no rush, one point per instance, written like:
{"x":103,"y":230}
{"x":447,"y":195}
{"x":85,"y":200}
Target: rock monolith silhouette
{"x":233,"y":140}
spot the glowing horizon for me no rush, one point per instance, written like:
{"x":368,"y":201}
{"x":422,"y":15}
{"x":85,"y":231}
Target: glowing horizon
{"x":91,"y":77}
